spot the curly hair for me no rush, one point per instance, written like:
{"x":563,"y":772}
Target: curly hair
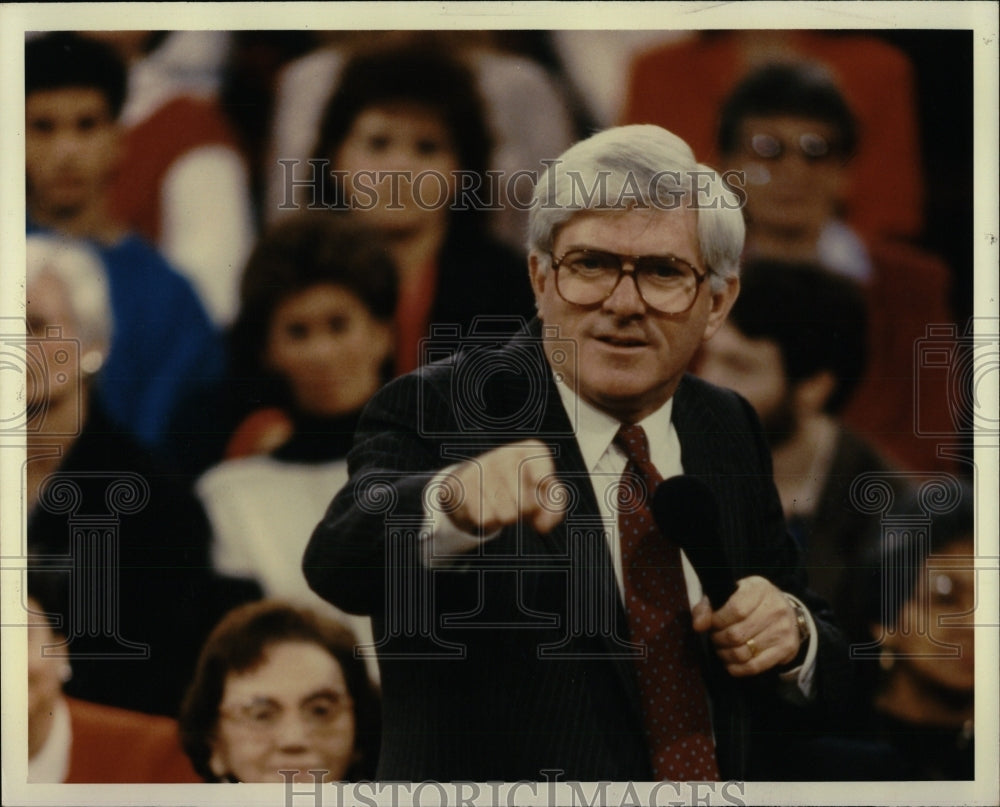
{"x":239,"y":643}
{"x":419,"y":72}
{"x":307,"y":249}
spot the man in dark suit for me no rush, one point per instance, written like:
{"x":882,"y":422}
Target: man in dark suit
{"x":533,"y":617}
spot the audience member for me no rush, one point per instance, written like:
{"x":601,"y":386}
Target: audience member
{"x":402,"y":124}
{"x":314,"y":335}
{"x":795,"y":346}
{"x":165,"y":355}
{"x":279,"y":693}
{"x":923,"y":617}
{"x":526,"y":110}
{"x":884,"y":193}
{"x":182,"y":181}
{"x":788,"y":131}
{"x":74,"y":741}
{"x":123,"y":541}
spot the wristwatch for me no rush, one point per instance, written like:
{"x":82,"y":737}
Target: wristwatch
{"x":803,"y":625}
{"x":800,"y":618}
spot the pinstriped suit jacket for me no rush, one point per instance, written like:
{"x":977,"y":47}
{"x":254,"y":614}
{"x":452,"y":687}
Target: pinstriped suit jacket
{"x":514,"y":659}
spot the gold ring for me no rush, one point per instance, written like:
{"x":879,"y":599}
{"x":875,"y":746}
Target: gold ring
{"x":752,"y":647}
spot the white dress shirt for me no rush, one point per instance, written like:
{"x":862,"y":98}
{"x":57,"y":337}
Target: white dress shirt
{"x":443,"y":542}
{"x":51,"y":763}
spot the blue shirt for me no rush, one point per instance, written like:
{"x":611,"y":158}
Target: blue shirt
{"x":165,"y":352}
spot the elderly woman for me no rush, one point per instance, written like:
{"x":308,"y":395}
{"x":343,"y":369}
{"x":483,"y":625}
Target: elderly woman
{"x":278,"y":693}
{"x":150,"y":600}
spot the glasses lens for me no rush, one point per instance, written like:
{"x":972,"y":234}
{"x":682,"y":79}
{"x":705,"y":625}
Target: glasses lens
{"x":587,"y":276}
{"x":766,"y":146}
{"x":259,"y":715}
{"x":814,"y":146}
{"x":321,"y":711}
{"x":666,"y":284}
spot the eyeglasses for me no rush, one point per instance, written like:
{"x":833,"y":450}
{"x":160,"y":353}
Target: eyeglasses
{"x":318,"y":713}
{"x":812,"y":146}
{"x":588,"y":277}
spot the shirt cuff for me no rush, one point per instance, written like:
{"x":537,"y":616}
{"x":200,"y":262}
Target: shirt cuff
{"x":442,"y":543}
{"x":798,"y":683}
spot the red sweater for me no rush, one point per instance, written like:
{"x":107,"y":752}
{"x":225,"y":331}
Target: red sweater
{"x":121,"y":746}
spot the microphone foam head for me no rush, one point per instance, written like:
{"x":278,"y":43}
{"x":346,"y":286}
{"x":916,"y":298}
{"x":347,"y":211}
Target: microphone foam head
{"x":686,"y":505}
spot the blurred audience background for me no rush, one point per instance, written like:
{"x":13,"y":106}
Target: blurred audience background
{"x":228,"y":338}
{"x":119,"y":537}
{"x":313,"y":341}
{"x":76,"y":741}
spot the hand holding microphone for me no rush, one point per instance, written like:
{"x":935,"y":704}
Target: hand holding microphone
{"x":752,"y":622}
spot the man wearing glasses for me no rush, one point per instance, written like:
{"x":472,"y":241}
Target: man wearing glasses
{"x":536,"y":613}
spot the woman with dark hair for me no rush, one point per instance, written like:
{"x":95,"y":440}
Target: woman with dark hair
{"x":406,"y":148}
{"x":922,"y":615}
{"x":278,"y":692}
{"x":313,"y":341}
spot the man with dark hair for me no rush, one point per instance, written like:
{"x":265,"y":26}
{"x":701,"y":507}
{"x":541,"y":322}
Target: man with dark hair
{"x":789,"y":133}
{"x":795,"y":347}
{"x":165,"y":353}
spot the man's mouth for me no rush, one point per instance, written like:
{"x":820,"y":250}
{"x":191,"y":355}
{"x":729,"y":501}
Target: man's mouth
{"x":622,"y":341}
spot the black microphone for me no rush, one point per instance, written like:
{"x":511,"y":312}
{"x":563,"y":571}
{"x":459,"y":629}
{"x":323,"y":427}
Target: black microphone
{"x":686,"y":512}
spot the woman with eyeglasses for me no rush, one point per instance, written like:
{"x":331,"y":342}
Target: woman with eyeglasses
{"x":919,"y":590}
{"x":788,"y":136}
{"x":279,"y":696}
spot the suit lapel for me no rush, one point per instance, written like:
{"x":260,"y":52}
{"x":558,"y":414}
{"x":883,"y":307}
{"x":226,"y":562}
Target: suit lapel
{"x":705,"y":453}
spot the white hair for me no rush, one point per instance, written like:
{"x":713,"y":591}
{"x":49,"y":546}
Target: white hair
{"x":639,"y":167}
{"x":81,"y":271}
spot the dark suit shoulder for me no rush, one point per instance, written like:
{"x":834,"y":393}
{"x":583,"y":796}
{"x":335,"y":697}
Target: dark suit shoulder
{"x":494,"y":388}
{"x":704,"y":407}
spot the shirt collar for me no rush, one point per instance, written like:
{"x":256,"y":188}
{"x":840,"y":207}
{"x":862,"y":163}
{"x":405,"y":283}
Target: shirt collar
{"x":595,"y":429}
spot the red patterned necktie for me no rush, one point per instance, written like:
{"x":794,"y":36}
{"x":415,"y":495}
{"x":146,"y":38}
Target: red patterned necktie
{"x":674,"y":697}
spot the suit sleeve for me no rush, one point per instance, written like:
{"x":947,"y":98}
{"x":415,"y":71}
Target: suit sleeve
{"x":776,"y":556}
{"x":396,"y":452}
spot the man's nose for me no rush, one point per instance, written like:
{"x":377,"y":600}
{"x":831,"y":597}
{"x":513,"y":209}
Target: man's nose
{"x":67,"y":144}
{"x":625,"y":299}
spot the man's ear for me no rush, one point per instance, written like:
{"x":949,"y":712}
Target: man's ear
{"x":722,"y":302}
{"x":540,"y":274}
{"x":115,"y":151}
{"x":537,"y":271}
